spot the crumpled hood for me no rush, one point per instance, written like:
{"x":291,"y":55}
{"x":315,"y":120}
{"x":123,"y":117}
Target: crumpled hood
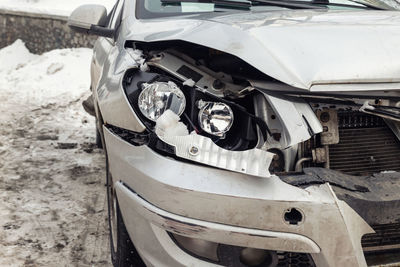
{"x":300,"y":48}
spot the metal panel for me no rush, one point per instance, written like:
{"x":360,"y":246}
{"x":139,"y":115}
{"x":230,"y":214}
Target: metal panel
{"x":298,"y":120}
{"x":292,"y":46}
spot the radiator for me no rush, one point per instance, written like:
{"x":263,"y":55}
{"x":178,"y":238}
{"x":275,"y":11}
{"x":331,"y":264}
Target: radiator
{"x":367,"y":145}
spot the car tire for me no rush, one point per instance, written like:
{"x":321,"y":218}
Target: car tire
{"x":123,"y":252}
{"x":99,"y":141}
{"x":126,"y":254}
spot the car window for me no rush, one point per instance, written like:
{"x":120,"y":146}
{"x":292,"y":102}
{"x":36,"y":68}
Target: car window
{"x":155,"y":8}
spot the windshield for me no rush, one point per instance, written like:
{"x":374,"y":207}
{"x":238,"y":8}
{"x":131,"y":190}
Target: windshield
{"x":162,"y":8}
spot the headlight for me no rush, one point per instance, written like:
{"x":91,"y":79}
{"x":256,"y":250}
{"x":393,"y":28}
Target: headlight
{"x":157,"y":97}
{"x":151,"y":94}
{"x":215,"y":118}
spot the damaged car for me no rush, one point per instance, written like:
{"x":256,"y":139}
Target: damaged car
{"x":248,"y":133}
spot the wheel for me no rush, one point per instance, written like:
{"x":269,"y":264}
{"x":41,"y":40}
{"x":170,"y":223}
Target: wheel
{"x":92,"y":109}
{"x":99,"y":129}
{"x":123,"y":252}
{"x":99,"y":141}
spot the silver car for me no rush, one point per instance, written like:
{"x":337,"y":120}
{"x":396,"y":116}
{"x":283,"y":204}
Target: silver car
{"x":248,"y":133}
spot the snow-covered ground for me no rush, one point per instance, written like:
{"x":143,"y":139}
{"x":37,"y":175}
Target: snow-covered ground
{"x":52,"y":194}
{"x":53,"y":7}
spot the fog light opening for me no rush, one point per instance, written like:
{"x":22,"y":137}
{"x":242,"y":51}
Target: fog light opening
{"x":253,"y":257}
{"x":201,"y":248}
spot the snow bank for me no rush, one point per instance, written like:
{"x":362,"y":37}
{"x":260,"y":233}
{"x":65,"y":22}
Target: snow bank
{"x":55,"y":77}
{"x":51,"y":7}
{"x":13,"y":56}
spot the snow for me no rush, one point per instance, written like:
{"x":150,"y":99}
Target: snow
{"x":46,"y":79}
{"x":52,"y":199}
{"x":10,"y":59}
{"x":51,"y":7}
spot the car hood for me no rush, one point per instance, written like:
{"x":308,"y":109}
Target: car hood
{"x":299,"y":48}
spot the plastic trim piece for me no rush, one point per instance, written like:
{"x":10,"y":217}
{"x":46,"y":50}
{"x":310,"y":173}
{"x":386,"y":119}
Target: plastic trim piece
{"x":203,"y":150}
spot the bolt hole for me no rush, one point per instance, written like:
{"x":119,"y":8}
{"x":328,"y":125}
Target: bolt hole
{"x":273,"y":117}
{"x":325,"y":117}
{"x":293,"y":216}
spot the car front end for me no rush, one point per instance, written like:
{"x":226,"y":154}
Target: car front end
{"x":256,"y":138}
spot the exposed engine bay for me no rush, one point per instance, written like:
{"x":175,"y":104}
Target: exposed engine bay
{"x":355,"y":133}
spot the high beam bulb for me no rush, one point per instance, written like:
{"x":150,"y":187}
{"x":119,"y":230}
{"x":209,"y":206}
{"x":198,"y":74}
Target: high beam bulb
{"x":215,"y":118}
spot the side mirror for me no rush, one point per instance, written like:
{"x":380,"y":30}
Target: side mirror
{"x":91,"y":19}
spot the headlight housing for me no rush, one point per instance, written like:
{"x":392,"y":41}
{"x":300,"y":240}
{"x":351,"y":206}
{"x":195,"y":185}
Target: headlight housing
{"x":157,"y":97}
{"x":236,"y":133}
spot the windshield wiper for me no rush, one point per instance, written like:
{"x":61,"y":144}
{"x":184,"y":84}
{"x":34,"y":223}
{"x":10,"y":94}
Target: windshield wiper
{"x":293,"y":4}
{"x":287,"y":4}
{"x":318,"y":3}
{"x":237,"y":4}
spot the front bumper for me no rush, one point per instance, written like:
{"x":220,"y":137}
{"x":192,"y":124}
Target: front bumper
{"x":158,"y":194}
{"x":158,"y":220}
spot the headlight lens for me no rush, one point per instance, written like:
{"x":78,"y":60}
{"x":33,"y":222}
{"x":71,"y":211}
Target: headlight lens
{"x":157,"y":97}
{"x":215,"y":118}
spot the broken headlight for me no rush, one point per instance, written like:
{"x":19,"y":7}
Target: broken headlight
{"x":157,"y":97}
{"x":215,"y":118}
{"x":226,"y":122}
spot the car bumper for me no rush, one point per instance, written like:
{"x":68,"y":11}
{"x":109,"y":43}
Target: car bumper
{"x":158,"y":194}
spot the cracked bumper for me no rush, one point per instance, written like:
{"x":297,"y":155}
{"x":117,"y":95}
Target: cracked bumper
{"x":227,"y":207}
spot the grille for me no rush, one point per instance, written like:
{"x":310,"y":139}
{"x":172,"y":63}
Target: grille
{"x":366,"y":146}
{"x":383,"y":247}
{"x":387,"y":236}
{"x":289,"y":259}
{"x":230,"y":256}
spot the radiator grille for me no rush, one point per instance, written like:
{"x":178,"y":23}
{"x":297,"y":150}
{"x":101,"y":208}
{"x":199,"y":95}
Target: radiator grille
{"x":366,"y":146}
{"x":382,"y":247}
{"x":386,"y":236}
{"x":290,"y":259}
